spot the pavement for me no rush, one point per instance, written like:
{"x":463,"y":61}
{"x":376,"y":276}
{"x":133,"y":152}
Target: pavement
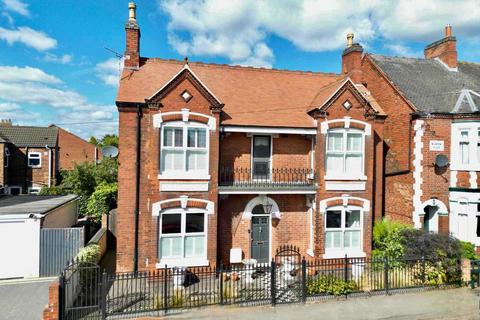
{"x":449,"y":304}
{"x":23,"y":299}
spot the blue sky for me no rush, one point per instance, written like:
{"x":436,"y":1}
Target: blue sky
{"x":54,"y":67}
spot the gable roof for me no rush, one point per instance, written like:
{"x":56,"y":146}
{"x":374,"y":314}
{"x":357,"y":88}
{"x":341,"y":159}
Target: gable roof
{"x":328,"y":94}
{"x":430,"y":86}
{"x":23,"y":136}
{"x":251,"y":96}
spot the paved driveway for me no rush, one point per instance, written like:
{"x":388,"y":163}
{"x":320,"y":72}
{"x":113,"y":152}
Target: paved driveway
{"x":439,"y":304}
{"x":23,"y":299}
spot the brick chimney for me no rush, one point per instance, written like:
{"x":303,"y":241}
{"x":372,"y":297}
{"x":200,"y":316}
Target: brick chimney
{"x":352,"y":60}
{"x":444,"y":49}
{"x":132,"y":30}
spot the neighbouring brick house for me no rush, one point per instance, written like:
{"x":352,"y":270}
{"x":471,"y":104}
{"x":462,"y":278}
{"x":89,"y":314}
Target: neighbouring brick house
{"x":232,"y":162}
{"x":432,"y":137}
{"x":32,"y":157}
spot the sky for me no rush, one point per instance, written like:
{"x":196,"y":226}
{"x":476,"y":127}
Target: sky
{"x":57,"y":64}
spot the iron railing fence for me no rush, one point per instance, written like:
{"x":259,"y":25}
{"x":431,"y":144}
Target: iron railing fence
{"x":277,"y":177}
{"x":130,"y":295}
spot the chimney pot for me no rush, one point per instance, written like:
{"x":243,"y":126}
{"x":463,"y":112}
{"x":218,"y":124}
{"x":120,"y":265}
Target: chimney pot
{"x":448,"y":31}
{"x":349,"y":39}
{"x":131,"y":11}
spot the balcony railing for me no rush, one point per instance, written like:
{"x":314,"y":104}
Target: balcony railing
{"x":276,"y":178}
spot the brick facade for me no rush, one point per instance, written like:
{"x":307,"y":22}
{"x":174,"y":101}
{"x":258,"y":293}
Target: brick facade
{"x":74,"y":150}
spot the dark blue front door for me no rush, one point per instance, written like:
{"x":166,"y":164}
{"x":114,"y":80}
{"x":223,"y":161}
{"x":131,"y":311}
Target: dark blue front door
{"x":260,"y":238}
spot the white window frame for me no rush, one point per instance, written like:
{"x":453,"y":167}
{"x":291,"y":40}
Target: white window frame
{"x":182,"y":261}
{"x":345,"y":175}
{"x":341,"y":252}
{"x":10,"y":188}
{"x":270,"y":161}
{"x":183,"y":174}
{"x":6,"y":160}
{"x":34,"y":190}
{"x":36,"y":153}
{"x":473,"y":142}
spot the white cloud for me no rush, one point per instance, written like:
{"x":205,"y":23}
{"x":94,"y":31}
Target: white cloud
{"x":403,"y":51}
{"x":29,"y":37}
{"x":109,"y":71}
{"x":35,"y":87}
{"x":239,"y":30}
{"x":19,"y":74}
{"x":64,"y":59}
{"x":17,"y":113}
{"x":16,"y":6}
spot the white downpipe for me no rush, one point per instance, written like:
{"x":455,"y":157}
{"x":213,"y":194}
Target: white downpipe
{"x":49,"y":166}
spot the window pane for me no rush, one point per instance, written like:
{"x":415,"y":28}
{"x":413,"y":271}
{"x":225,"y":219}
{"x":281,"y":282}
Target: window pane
{"x":334,"y":219}
{"x":353,"y":164}
{"x":172,"y":160}
{"x":194,"y":222}
{"x":33,"y":161}
{"x":334,"y":163}
{"x":168,"y":137}
{"x":201,"y":138}
{"x":197,"y":160}
{"x":333,"y":239}
{"x":171,"y":223}
{"x":194,"y":246}
{"x":464,"y":152}
{"x":335,"y":141}
{"x":354,"y":142}
{"x":170,"y":247}
{"x":352,"y":219}
{"x":261,"y":147}
{"x":178,"y":137}
{"x":352,"y":239}
{"x":191,"y":137}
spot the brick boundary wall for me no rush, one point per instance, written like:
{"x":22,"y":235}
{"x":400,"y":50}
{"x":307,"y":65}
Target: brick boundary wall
{"x":51,"y":312}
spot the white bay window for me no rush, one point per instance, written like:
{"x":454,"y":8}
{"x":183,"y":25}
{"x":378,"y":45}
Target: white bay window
{"x":183,"y":237}
{"x":465,"y":146}
{"x":343,"y":231}
{"x":184,"y":151}
{"x":345,"y":154}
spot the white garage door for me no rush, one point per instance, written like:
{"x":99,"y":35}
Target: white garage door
{"x":19,"y":247}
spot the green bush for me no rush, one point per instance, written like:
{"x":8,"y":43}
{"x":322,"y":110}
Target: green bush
{"x":330,"y":284}
{"x":388,"y":239}
{"x":89,"y":254}
{"x":468,"y":251}
{"x":102,"y":200}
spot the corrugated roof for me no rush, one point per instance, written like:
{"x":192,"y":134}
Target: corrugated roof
{"x":23,"y":136}
{"x":430,"y":86}
{"x":252,"y":96}
{"x":32,"y":204}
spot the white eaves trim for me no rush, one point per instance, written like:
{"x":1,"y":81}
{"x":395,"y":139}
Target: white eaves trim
{"x":270,"y":130}
{"x":266,"y":191}
{"x":185,"y":67}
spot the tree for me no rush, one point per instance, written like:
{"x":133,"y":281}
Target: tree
{"x":106,"y":140}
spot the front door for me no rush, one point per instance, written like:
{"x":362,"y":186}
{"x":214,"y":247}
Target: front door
{"x":260,"y":238}
{"x":430,"y":220}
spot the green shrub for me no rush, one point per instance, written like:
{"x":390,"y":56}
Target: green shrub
{"x":468,"y":251}
{"x":331,"y":285}
{"x":388,"y":239}
{"x":102,"y":200}
{"x":89,"y":254}
{"x":177,"y":300}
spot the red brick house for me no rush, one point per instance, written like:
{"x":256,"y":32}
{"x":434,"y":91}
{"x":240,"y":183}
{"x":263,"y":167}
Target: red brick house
{"x":31,"y":157}
{"x":227,"y":163}
{"x":432,"y":137}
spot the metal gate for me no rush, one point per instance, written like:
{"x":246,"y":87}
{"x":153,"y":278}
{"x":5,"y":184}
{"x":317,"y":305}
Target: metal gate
{"x":289,"y":274}
{"x":58,"y":246}
{"x":81,"y":284}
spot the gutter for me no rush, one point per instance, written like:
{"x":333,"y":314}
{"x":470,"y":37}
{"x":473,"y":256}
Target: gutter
{"x":137,"y":186}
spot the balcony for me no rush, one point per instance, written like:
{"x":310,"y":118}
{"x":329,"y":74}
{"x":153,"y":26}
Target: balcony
{"x":278,"y":180}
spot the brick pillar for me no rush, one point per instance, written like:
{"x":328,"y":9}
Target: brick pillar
{"x":51,"y":309}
